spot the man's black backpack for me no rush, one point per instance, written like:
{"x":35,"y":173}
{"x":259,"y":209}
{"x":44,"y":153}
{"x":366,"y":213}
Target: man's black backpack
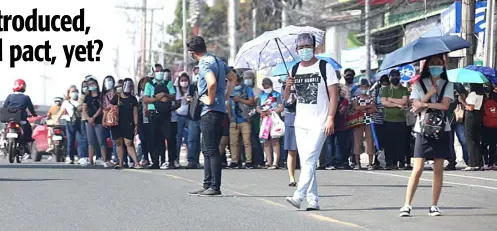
{"x":162,"y":107}
{"x":433,"y":123}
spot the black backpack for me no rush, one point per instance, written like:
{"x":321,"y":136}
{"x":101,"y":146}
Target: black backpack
{"x":195,"y":106}
{"x":433,"y":124}
{"x":162,"y":107}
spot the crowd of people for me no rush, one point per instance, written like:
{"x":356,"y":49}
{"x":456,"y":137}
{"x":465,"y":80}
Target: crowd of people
{"x":328,"y":124}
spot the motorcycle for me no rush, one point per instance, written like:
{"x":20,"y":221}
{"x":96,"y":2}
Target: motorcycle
{"x":59,"y":143}
{"x":13,"y":135}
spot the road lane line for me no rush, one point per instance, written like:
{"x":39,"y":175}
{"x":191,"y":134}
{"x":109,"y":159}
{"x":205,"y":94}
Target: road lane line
{"x":270,"y":202}
{"x":470,"y":177}
{"x":423,"y":179}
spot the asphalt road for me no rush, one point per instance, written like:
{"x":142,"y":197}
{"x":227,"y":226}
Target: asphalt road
{"x":49,"y":196}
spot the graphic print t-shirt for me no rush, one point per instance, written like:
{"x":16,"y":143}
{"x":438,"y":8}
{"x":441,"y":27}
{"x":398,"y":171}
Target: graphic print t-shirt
{"x":312,"y":98}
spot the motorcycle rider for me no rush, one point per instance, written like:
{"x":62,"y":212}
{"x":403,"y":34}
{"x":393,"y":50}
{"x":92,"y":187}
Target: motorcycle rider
{"x":52,"y":119}
{"x":18,"y":100}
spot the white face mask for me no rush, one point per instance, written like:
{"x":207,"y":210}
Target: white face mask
{"x":183,"y":84}
{"x":269,"y":90}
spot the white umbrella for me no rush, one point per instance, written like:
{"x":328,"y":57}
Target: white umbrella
{"x":273,"y":47}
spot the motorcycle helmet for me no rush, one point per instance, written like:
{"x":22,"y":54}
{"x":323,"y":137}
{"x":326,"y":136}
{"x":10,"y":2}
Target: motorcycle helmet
{"x":19,"y":85}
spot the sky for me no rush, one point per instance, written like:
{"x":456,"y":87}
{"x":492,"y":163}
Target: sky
{"x":108,"y":24}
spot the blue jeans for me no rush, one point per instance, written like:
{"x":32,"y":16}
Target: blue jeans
{"x":193,"y":141}
{"x":73,"y":133}
{"x":82,"y":141}
{"x":458,"y":129}
{"x":182,"y":134}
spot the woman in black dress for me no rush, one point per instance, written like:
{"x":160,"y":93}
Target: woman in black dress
{"x":434,"y":78}
{"x":124,"y":133}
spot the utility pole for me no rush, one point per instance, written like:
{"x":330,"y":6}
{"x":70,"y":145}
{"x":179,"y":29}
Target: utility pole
{"x":143,"y":9}
{"x":468,"y":30}
{"x":185,"y":51}
{"x":284,"y":15}
{"x":232,"y":18}
{"x":368,"y":39}
{"x":254,"y":19}
{"x":151,"y":34}
{"x":489,"y":16}
{"x":492,"y":36}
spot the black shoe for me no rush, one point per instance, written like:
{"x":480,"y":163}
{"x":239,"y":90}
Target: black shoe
{"x":191,"y":166}
{"x":197,"y":192}
{"x":249,"y":165}
{"x":450,"y":167}
{"x":210,"y":193}
{"x":233,"y":165}
{"x":154,"y":166}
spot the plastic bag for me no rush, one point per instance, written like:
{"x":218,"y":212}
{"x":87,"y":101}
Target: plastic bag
{"x":265,"y":128}
{"x":277,"y":126}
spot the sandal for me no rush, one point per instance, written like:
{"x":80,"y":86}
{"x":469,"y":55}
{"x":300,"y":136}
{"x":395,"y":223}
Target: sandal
{"x":273,"y":167}
{"x":470,"y":169}
{"x":267,"y":166}
{"x":293,"y":184}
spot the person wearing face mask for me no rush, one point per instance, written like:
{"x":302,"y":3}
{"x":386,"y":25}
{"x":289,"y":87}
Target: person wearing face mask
{"x":212,"y":95}
{"x":53,"y":119}
{"x":315,"y":85}
{"x":182,"y":113}
{"x":394,"y":98}
{"x":158,"y":95}
{"x":95,"y":131}
{"x":72,"y":116}
{"x":119,"y":90}
{"x":267,"y":102}
{"x":83,"y":142}
{"x":124,"y":133}
{"x":431,"y":93}
{"x":240,"y":105}
{"x":143,"y":125}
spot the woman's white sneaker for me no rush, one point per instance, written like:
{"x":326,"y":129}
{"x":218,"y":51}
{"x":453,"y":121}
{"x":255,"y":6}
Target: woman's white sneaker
{"x":405,"y":211}
{"x":434,"y":211}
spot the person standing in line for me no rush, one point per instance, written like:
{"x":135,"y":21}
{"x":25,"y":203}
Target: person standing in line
{"x":212,"y":89}
{"x":171,"y":131}
{"x":182,"y":111}
{"x":194,"y":110}
{"x":143,"y":123}
{"x":158,"y":95}
{"x":92,"y":110}
{"x":317,"y":101}
{"x":72,"y":116}
{"x":394,"y":98}
{"x":349,"y":76}
{"x":432,"y":92}
{"x":124,"y":133}
{"x":83,"y":141}
{"x":472,"y":125}
{"x":240,"y":104}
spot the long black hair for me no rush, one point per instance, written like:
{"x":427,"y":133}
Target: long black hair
{"x":425,"y":73}
{"x":132,"y":82}
{"x":82,"y":84}
{"x":104,"y":88}
{"x":183,"y":75}
{"x":98,"y":86}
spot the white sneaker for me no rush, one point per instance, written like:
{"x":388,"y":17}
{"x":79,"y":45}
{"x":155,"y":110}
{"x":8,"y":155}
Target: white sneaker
{"x":434,"y":211}
{"x":293,"y":202}
{"x":164,"y":166}
{"x":312,"y":206}
{"x":176,"y":164}
{"x":76,"y":158}
{"x":99,"y":162}
{"x":131,"y":165}
{"x":84,"y":162}
{"x":108,"y":164}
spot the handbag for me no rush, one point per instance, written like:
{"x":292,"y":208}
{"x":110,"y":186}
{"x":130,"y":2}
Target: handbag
{"x":111,"y":118}
{"x":433,"y":121}
{"x":277,"y":126}
{"x":459,"y":114}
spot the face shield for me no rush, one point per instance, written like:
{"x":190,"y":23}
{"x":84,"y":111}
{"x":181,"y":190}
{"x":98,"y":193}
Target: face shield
{"x":109,"y":83}
{"x":167,"y":76}
{"x":128,"y":87}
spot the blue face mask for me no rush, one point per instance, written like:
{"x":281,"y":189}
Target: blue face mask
{"x":92,"y":88}
{"x":159,"y":76}
{"x":364,"y":92}
{"x":306,"y":54}
{"x":238,"y":87}
{"x":248,"y":82}
{"x":436,"y":71}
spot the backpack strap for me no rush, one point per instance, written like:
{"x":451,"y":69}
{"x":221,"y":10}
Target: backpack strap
{"x":322,"y":69}
{"x":423,"y":86}
{"x":441,"y":96}
{"x":295,"y":68}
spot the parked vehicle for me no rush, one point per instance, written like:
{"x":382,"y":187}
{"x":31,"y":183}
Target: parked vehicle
{"x":40,"y":146}
{"x":14,"y":145}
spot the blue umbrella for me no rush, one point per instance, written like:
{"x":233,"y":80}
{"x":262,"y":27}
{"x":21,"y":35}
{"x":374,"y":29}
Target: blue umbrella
{"x":330,"y":60}
{"x":488,"y":72}
{"x":422,"y":48}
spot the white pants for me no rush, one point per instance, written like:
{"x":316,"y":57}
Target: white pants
{"x":309,"y":143}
